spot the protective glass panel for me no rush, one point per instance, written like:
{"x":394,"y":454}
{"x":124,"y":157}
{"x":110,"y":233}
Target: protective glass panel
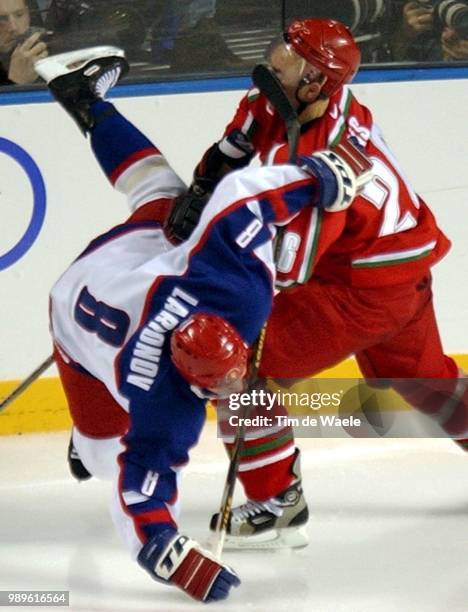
{"x":167,"y":40}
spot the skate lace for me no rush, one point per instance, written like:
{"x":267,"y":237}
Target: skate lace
{"x":106,"y":81}
{"x":252,"y":508}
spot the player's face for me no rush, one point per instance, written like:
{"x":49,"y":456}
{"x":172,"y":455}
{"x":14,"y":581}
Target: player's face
{"x":292,"y":70}
{"x":14,"y":22}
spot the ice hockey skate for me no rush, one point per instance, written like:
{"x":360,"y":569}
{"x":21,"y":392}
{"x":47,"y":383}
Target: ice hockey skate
{"x":77,"y":468}
{"x":79,"y":78}
{"x":279,"y":522}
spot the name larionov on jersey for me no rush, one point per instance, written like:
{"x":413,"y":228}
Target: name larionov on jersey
{"x":144,"y":364}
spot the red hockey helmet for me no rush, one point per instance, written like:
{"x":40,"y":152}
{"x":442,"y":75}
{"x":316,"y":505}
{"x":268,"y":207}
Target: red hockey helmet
{"x":209,"y":352}
{"x":327,"y":45}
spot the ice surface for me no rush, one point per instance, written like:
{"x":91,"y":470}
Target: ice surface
{"x":389,"y":531}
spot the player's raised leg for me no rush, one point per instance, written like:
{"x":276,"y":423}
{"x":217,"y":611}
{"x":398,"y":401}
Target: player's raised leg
{"x":79,"y":81}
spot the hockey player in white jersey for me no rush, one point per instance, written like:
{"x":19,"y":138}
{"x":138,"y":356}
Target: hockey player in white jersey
{"x":144,"y":329}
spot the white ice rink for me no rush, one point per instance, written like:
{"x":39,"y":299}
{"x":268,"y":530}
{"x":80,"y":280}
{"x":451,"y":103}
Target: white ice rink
{"x":389,"y":531}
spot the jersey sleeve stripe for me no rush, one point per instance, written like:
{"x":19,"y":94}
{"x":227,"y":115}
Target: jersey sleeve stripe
{"x":131,"y":159}
{"x":311,"y":246}
{"x":337,"y":132}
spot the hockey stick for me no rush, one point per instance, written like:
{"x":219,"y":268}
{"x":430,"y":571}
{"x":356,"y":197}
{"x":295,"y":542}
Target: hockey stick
{"x":231,"y":477}
{"x":270,"y":86}
{"x":45,"y":365}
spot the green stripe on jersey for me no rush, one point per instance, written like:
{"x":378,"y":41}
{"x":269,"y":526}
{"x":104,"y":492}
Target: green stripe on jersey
{"x":390,"y":262}
{"x":340,"y":124}
{"x":313,"y":251}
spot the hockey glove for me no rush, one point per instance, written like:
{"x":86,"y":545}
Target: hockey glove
{"x":172,"y":558}
{"x":214,"y":165}
{"x":342,"y":171}
{"x":184,"y":216}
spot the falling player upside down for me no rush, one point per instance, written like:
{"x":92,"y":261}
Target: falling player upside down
{"x":145,"y":330}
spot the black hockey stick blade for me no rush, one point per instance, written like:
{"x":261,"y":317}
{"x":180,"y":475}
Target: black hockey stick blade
{"x":267,"y":82}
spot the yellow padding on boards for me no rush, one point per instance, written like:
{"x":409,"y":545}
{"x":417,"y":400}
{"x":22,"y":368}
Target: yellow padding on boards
{"x":43,"y":406}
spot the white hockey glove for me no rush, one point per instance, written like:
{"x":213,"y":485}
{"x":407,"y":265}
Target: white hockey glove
{"x":342,"y":171}
{"x":172,"y":558}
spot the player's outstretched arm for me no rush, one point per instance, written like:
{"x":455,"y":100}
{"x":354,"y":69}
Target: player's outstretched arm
{"x":338,"y":175}
{"x":328,"y":180}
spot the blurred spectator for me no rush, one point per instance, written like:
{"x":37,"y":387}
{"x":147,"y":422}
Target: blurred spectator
{"x":20,"y":45}
{"x":188,"y":38}
{"x":453,"y":47}
{"x":422,"y":37}
{"x":76,"y":24}
{"x":85,"y":23}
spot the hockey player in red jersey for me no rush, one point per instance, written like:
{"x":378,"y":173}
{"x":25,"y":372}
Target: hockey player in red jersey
{"x":357,"y":282}
{"x":145,"y":330}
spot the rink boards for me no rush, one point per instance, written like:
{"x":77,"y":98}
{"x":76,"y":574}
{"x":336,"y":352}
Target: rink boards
{"x":56,"y":199}
{"x":43,"y":406}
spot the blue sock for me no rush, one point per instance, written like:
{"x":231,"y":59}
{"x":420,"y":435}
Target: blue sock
{"x":115,"y":141}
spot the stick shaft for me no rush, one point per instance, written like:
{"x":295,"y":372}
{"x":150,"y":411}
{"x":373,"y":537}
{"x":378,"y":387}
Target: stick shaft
{"x":228,"y":492}
{"x":269,"y":85}
{"x":27,"y":382}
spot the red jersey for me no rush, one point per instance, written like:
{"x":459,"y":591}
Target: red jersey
{"x":387,"y":236}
